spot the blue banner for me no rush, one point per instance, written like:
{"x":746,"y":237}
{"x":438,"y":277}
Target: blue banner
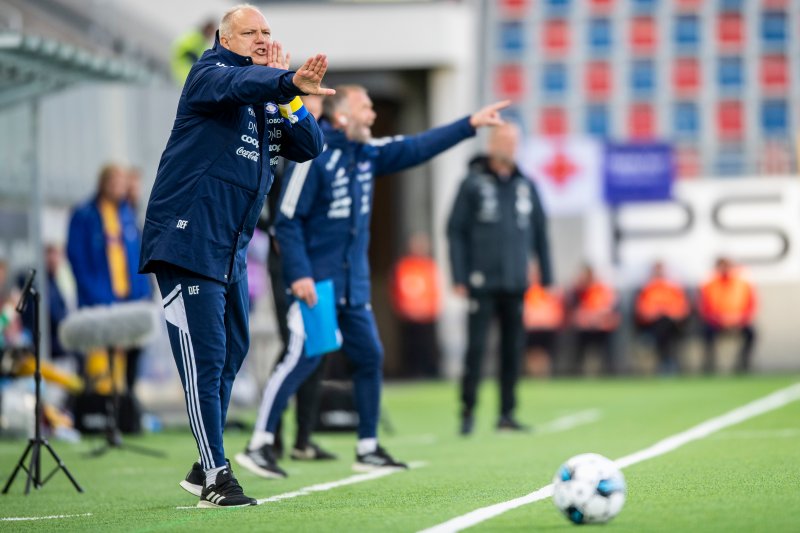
{"x":638,"y":172}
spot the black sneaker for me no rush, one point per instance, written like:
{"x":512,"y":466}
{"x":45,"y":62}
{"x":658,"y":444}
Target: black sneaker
{"x":507,"y":423}
{"x":193,"y":483}
{"x":261,"y":462}
{"x":312,"y":452}
{"x":225,"y":492}
{"x":194,"y":480}
{"x":380,"y":458}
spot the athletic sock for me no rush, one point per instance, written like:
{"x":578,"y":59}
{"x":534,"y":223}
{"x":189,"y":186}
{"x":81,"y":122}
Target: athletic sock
{"x":259,"y":439}
{"x":365,"y":446}
{"x":211,"y":475}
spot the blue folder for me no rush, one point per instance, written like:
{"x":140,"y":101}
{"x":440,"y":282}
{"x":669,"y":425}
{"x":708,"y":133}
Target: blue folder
{"x":322,"y":328}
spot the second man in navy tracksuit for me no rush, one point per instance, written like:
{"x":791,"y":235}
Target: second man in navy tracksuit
{"x":323,"y":232}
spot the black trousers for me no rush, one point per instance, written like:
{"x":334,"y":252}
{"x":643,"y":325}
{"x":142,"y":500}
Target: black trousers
{"x":484,"y":306}
{"x":665,"y":332}
{"x":710,"y":334}
{"x":586,"y":338}
{"x":307,"y":395}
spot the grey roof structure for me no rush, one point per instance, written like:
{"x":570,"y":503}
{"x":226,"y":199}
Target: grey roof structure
{"x":31,"y":66}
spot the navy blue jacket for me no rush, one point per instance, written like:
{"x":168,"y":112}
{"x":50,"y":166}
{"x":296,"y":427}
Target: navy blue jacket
{"x":217,"y":167}
{"x":323,"y":223}
{"x":86,"y":251}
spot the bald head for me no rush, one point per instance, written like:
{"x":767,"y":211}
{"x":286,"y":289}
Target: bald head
{"x":244,"y":30}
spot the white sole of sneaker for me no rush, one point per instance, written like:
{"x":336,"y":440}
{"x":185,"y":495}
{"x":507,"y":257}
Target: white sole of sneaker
{"x":365,"y":468}
{"x":204,"y":504}
{"x":251,"y":466}
{"x":191,"y":488}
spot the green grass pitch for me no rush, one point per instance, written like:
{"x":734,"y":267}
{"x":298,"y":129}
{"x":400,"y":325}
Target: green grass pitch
{"x":743,"y":478}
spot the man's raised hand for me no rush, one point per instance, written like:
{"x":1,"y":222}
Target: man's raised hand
{"x":308,"y":78}
{"x":275,"y":57}
{"x":489,"y":115}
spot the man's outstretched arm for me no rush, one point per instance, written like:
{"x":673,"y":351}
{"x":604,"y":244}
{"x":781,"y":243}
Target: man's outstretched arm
{"x":216,"y":86}
{"x":399,"y":153}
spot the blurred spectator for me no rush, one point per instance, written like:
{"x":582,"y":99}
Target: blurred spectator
{"x":103,"y":245}
{"x":543,"y":316}
{"x":594,"y":317}
{"x":134,"y":194}
{"x":416,"y":299}
{"x":497,"y":225}
{"x":8,"y":314}
{"x":727,"y":306}
{"x":661,"y":310}
{"x":188,"y":48}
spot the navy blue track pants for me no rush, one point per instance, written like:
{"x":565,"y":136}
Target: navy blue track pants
{"x":207,"y":323}
{"x":362,"y":347}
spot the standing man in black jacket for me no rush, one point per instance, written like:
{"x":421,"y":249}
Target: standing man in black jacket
{"x":497,"y":232}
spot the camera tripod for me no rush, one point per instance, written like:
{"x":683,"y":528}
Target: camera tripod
{"x":35,"y":444}
{"x":112,"y":432}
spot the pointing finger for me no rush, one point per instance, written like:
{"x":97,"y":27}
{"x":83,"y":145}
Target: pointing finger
{"x":500,"y":105}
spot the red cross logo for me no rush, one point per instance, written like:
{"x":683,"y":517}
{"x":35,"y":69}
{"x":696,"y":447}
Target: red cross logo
{"x":560,"y":168}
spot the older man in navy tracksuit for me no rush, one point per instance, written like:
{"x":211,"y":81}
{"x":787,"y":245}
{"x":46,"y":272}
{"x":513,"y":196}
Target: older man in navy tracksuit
{"x":323,"y":233}
{"x":236,"y":115}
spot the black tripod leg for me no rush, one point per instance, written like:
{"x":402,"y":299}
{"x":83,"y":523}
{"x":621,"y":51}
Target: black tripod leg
{"x":20,"y":466}
{"x":113,"y":434}
{"x":32,"y":470}
{"x":62,"y":466}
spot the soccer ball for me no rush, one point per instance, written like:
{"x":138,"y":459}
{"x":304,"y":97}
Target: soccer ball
{"x":589,"y":489}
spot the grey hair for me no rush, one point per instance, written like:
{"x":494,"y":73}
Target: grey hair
{"x":225,"y":22}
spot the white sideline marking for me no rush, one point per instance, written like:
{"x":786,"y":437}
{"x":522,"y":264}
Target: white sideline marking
{"x":788,"y":433}
{"x":570,"y":421}
{"x":757,"y":407}
{"x":322,"y":487}
{"x":51,"y":517}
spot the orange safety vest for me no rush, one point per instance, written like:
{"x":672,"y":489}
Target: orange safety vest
{"x":595,"y":308}
{"x":728,"y":301}
{"x":596,"y":298}
{"x":661,"y":297}
{"x":416,"y":293}
{"x":543,"y":309}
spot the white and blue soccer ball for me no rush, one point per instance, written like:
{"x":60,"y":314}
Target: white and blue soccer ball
{"x":589,"y":489}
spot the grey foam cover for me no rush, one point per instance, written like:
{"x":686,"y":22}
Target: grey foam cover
{"x":122,"y":325}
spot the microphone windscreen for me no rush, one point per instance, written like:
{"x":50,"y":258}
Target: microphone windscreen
{"x":122,"y":325}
